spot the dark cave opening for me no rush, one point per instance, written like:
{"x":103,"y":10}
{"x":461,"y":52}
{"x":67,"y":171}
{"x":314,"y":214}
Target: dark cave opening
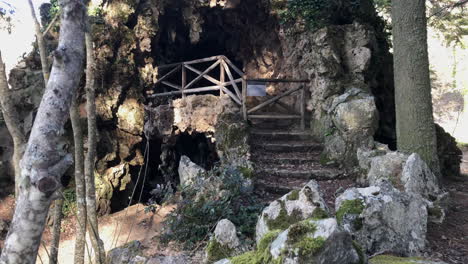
{"x":161,"y":164}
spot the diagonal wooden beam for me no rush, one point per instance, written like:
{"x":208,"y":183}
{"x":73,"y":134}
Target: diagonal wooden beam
{"x":233,"y":66}
{"x":231,"y":79}
{"x":272,"y":100}
{"x":168,"y":74}
{"x":209,"y":78}
{"x":202,"y":74}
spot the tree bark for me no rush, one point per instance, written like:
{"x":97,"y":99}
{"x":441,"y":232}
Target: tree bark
{"x":59,"y":202}
{"x":44,"y":160}
{"x":98,"y":245}
{"x":40,"y":44}
{"x":58,"y":216}
{"x":413,"y":102}
{"x":80,"y":241}
{"x":12,"y":121}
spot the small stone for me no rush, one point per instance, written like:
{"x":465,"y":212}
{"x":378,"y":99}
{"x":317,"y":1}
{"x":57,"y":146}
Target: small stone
{"x":225,"y":233}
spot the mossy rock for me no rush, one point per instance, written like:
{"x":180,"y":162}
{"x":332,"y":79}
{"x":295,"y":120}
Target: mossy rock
{"x":262,"y":254}
{"x":283,"y":221}
{"x":216,"y":251}
{"x":351,"y":207}
{"x":294,"y":195}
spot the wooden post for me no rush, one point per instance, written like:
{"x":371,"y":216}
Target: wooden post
{"x":244,"y":98}
{"x":184,"y":80}
{"x":303,"y":106}
{"x":221,"y":75}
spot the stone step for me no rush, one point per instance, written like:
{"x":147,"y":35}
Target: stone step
{"x":271,"y":160}
{"x":316,"y":174}
{"x":287,"y":146}
{"x":279,"y":134}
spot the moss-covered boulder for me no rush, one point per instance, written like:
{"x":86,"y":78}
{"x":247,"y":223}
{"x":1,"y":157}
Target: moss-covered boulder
{"x":384,"y":219}
{"x":290,"y":209}
{"x":309,"y":241}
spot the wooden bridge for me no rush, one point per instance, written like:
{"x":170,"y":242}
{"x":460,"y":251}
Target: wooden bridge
{"x":175,"y":79}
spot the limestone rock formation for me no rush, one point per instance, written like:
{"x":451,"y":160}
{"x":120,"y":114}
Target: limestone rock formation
{"x":188,"y":171}
{"x":315,"y":241}
{"x":309,"y":241}
{"x":293,"y":207}
{"x":384,"y":219}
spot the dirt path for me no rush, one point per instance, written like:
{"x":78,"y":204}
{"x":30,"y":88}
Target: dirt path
{"x":449,"y":241}
{"x":132,"y":224}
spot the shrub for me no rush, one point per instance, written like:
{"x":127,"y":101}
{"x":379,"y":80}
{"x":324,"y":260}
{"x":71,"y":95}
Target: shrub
{"x":220,"y":195}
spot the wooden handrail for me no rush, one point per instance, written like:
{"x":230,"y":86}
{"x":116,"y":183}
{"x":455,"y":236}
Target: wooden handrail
{"x":239,"y":96}
{"x":272,"y":100}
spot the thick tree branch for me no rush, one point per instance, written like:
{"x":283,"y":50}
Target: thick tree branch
{"x":43,"y":160}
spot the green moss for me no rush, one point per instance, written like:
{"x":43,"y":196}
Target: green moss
{"x":308,"y":246}
{"x":294,"y":195}
{"x":266,"y":240}
{"x":350,"y":207}
{"x":319,"y":213}
{"x":387,"y":259}
{"x":360,"y":252}
{"x":299,"y":240}
{"x":215,"y":251}
{"x":283,"y":221}
{"x":262,"y":254}
{"x":300,"y":230}
{"x":247,"y":172}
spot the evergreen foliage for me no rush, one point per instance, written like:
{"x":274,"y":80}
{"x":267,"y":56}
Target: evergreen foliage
{"x":203,"y":205}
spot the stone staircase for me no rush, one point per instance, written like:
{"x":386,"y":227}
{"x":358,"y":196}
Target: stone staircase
{"x":287,"y":160}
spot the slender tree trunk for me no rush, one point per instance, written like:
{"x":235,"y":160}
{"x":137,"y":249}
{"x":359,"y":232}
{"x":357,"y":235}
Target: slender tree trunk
{"x":44,"y":160}
{"x":413,"y":102}
{"x":12,"y":121}
{"x":80,"y":241}
{"x":98,"y":245}
{"x":40,"y":44}
{"x":58,"y":216}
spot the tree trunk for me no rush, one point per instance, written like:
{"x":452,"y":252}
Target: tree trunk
{"x":98,"y":245}
{"x":40,"y":44}
{"x":80,"y":240}
{"x":59,"y":202}
{"x":58,"y":216}
{"x":12,"y":121}
{"x":413,"y":102}
{"x":44,"y":160}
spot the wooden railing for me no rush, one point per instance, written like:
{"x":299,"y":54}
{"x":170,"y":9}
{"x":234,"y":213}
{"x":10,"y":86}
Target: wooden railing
{"x":250,"y":113}
{"x":183,"y":86}
{"x":188,"y":86}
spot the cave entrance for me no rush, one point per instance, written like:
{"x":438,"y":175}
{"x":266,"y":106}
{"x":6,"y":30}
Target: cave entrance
{"x":162,"y":175}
